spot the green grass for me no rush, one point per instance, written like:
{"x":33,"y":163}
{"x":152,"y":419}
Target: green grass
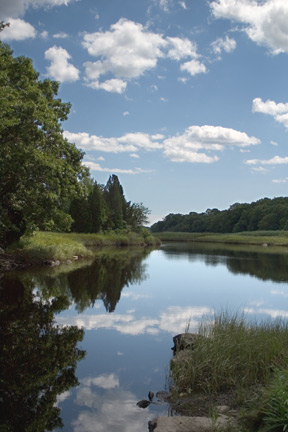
{"x":238,"y":357}
{"x":41,"y":246}
{"x":270,"y":238}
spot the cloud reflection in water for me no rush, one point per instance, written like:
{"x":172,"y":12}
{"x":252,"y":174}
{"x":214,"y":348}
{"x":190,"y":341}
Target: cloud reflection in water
{"x":173,"y":320}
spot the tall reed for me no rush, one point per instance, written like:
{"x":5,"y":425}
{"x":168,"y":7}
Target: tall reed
{"x":232,"y":353}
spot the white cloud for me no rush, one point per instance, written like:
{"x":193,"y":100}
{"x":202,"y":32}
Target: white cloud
{"x":60,"y":68}
{"x":285,"y":180}
{"x":93,"y":166}
{"x":130,"y":142}
{"x":269,"y":107}
{"x":60,"y":35}
{"x":128,"y":50}
{"x":265,"y":22}
{"x":274,"y":143}
{"x":181,"y":48}
{"x":187,"y":147}
{"x":228,"y":45}
{"x":126,"y":113}
{"x":113,"y":85}
{"x":18,"y":30}
{"x":44,"y":34}
{"x":16,"y":8}
{"x":164,"y":4}
{"x":276,"y":160}
{"x":193,"y":67}
{"x":279,"y":111}
{"x":183,"y":4}
{"x":134,"y":155}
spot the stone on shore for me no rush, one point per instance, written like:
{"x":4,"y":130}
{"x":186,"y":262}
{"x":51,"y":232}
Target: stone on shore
{"x":188,"y":424}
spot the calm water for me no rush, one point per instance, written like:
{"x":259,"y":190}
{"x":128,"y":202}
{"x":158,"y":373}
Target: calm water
{"x":130,"y":305}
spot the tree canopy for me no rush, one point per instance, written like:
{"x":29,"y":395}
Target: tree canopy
{"x":106,"y":208}
{"x":39,"y":168}
{"x":43,"y":183}
{"x":264,"y":214}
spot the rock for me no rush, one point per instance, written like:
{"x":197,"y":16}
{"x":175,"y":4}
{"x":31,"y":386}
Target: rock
{"x":75,"y":257}
{"x":185,"y":341}
{"x":188,"y":424}
{"x":222,"y":409}
{"x":163,"y":396}
{"x":143,"y":403}
{"x":150,"y":395}
{"x":68,"y":262}
{"x":51,"y":263}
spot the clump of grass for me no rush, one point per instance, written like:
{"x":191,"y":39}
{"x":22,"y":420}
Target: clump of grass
{"x":232,"y":354}
{"x":41,"y":246}
{"x":275,"y":412}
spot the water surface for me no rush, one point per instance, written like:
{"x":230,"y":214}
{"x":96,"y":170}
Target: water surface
{"x":130,"y":304}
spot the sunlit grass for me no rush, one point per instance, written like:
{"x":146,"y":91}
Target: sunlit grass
{"x":248,"y":361}
{"x":233,"y":353}
{"x":273,"y":238}
{"x":41,"y":246}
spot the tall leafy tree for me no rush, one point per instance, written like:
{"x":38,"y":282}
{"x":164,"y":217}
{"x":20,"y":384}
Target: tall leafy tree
{"x":39,"y":168}
{"x":97,"y":208}
{"x":116,"y":203}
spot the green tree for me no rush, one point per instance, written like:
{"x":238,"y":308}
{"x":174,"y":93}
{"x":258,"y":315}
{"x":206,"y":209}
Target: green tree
{"x":97,"y":208}
{"x":39,"y":168}
{"x":115,"y":201}
{"x":136,"y":215}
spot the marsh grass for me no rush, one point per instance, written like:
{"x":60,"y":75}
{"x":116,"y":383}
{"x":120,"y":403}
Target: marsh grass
{"x":271,"y":238}
{"x":233,"y":354}
{"x":247,"y":361}
{"x":40,"y":246}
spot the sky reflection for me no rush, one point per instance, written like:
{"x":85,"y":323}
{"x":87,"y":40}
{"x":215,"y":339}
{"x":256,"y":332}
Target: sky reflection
{"x":172,"y":320}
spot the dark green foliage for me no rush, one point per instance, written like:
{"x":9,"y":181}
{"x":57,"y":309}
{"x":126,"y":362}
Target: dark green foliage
{"x":265,"y":214}
{"x":115,"y":200}
{"x":105,"y":208}
{"x":38,"y":358}
{"x":39,"y":169}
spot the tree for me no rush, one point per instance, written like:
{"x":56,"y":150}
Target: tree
{"x":136,"y":214}
{"x":116,"y":203}
{"x":39,"y":168}
{"x":97,"y":208}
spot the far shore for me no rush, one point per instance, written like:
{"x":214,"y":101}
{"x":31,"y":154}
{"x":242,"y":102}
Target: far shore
{"x":258,"y":238}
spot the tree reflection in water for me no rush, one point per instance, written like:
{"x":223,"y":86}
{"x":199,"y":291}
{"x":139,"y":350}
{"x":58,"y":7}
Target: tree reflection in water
{"x":103,"y":280}
{"x":38,"y":358}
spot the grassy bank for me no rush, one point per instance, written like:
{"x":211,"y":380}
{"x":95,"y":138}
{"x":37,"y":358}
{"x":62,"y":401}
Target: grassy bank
{"x":248,"y":362}
{"x":269,"y":238}
{"x":41,"y":246}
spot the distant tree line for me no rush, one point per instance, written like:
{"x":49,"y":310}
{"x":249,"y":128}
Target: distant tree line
{"x":105,"y":208}
{"x":264,"y":214}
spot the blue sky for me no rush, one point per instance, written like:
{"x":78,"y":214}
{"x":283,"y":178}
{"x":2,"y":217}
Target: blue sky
{"x":186,"y":101}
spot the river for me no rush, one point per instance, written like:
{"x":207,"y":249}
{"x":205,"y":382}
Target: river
{"x":120,"y":313}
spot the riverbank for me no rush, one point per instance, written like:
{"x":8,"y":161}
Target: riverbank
{"x":261,"y":238}
{"x":51,"y":248}
{"x":236,"y":368}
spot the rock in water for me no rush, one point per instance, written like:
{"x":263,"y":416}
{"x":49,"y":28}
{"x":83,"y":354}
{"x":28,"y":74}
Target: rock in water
{"x":143,"y":403}
{"x":150,"y":395}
